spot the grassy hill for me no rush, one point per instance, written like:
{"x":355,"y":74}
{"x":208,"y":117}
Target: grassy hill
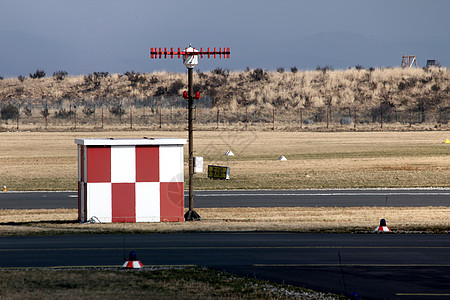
{"x":398,"y":88}
{"x":376,"y":95}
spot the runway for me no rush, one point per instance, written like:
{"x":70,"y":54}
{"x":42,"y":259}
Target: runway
{"x":259,"y":198}
{"x":324,"y":198}
{"x":377,"y":266}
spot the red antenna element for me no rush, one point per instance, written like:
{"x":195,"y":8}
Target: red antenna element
{"x":155,"y":53}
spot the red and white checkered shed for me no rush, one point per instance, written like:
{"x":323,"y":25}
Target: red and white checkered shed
{"x":130,"y":180}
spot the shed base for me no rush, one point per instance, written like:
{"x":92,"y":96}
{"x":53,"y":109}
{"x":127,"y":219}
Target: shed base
{"x":192,"y":215}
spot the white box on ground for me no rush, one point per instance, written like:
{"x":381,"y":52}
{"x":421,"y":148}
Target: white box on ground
{"x":198,"y":164}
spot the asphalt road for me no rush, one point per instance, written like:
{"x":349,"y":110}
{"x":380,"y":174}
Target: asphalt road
{"x":376,"y":266}
{"x":326,"y":198}
{"x":294,"y":198}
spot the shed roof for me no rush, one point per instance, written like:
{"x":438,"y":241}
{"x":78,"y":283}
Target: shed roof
{"x":130,"y":142}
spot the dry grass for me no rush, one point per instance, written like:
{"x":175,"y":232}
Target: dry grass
{"x":396,"y":97}
{"x":186,"y":283}
{"x":403,"y":88}
{"x":298,"y":219}
{"x":48,"y":161}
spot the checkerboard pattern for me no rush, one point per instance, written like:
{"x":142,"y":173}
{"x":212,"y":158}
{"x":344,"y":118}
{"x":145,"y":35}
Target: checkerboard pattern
{"x":137,"y":183}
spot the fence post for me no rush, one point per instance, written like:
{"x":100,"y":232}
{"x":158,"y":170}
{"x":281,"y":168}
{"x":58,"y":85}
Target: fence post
{"x":102,"y":116}
{"x":273,"y":118}
{"x":75,"y":115}
{"x":18,"y":112}
{"x":410,"y":117}
{"x":301,"y":117}
{"x":440,"y":117}
{"x":354,"y":120}
{"x":45,"y":114}
{"x":160,"y":119}
{"x":218,"y":111}
{"x":131,"y":117}
{"x":246,"y":117}
{"x":381,"y":116}
{"x":331,"y":116}
{"x":120,"y":110}
{"x":327,"y":113}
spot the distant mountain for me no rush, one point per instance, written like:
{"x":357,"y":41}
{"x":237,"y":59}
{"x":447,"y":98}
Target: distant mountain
{"x":22,"y":53}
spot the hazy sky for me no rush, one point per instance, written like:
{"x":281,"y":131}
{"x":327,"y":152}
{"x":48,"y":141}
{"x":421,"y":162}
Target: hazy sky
{"x":84,"y":36}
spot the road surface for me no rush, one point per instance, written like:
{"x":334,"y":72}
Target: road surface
{"x":378,"y":266}
{"x":265,"y":198}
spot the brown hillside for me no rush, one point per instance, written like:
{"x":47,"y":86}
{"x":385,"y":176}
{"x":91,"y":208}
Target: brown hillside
{"x":256,"y":89}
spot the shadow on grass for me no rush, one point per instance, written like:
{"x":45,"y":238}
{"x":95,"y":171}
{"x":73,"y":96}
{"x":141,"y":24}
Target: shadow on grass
{"x":48,"y":222}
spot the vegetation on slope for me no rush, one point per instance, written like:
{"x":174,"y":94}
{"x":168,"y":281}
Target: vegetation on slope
{"x":401,"y":89}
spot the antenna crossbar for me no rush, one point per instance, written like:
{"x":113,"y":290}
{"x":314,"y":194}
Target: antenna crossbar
{"x":160,"y":53}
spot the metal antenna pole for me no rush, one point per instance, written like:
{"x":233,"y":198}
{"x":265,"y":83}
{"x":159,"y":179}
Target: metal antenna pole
{"x":191,"y":215}
{"x":190,"y":60}
{"x":191,"y":140}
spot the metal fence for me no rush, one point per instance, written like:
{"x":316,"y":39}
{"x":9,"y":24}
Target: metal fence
{"x":171,"y":113}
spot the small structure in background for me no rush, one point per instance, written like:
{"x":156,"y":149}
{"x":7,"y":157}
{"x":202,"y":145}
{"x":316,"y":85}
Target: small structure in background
{"x":408,"y":61}
{"x":282,"y":157}
{"x":346,"y":121}
{"x":432,"y":63}
{"x":229,"y":153}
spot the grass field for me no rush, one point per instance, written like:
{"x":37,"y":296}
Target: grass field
{"x":293,"y":219}
{"x":48,"y":161}
{"x":149,"y":283}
